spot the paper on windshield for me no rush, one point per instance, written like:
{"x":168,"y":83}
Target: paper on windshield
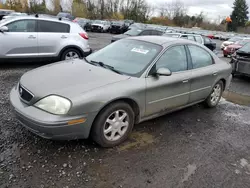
{"x":139,"y":50}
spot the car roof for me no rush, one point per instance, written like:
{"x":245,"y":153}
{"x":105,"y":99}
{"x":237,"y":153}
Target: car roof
{"x":160,"y":40}
{"x":43,"y":17}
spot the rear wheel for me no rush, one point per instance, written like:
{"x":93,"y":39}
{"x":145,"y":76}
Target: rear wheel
{"x":113,"y":125}
{"x":70,"y":53}
{"x":215,"y":96}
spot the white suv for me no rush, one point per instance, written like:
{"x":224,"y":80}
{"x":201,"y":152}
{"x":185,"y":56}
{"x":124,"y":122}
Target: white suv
{"x":41,"y":37}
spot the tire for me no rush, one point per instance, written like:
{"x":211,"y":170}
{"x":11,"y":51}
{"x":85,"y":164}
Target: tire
{"x":214,"y":98}
{"x":65,"y":56}
{"x":225,"y":55}
{"x":109,"y":113}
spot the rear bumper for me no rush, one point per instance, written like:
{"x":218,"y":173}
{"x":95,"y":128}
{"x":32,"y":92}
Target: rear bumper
{"x":87,"y":52}
{"x":48,"y":125}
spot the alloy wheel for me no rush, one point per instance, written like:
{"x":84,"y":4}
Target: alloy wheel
{"x":116,"y":125}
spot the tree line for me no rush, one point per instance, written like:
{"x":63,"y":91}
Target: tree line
{"x":172,"y":14}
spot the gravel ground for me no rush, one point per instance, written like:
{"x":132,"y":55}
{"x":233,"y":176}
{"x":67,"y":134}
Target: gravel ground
{"x":195,"y":147}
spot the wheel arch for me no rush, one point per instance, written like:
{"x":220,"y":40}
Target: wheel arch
{"x":71,"y":47}
{"x":133,"y":104}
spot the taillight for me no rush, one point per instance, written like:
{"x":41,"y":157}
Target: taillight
{"x":84,"y":35}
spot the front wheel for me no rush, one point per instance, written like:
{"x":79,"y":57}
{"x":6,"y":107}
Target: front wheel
{"x":113,"y":125}
{"x":215,"y":96}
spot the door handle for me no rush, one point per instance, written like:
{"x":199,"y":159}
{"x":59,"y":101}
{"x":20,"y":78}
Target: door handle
{"x":64,"y":37}
{"x":185,"y":81}
{"x":31,"y":37}
{"x":215,"y":73}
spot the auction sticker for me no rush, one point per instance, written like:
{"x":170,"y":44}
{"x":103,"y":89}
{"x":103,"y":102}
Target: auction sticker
{"x":141,"y":51}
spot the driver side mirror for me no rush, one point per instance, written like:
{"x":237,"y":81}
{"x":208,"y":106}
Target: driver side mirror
{"x":4,"y":29}
{"x":163,"y":72}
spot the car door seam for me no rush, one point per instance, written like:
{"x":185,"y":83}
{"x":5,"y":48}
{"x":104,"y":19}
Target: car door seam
{"x":174,"y":96}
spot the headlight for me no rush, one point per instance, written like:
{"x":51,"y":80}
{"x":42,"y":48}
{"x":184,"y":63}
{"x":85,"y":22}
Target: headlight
{"x":54,"y":104}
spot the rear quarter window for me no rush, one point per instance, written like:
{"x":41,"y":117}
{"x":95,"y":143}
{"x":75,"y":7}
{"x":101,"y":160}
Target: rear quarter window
{"x":53,"y":27}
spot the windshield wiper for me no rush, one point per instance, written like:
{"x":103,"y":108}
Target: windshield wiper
{"x":101,"y":64}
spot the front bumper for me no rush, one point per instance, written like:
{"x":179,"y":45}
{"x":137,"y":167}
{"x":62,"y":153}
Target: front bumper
{"x":48,"y":125}
{"x":240,"y":67}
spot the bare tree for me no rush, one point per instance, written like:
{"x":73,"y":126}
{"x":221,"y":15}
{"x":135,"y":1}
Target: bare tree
{"x":172,"y":9}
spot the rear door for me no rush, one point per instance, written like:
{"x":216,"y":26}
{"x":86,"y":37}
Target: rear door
{"x":203,"y":75}
{"x":51,"y":37}
{"x":20,"y":41}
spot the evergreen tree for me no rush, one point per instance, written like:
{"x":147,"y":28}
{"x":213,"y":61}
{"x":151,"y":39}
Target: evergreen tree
{"x":239,"y":15}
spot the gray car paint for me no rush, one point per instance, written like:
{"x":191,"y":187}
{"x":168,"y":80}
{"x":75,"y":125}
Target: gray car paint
{"x":91,"y":88}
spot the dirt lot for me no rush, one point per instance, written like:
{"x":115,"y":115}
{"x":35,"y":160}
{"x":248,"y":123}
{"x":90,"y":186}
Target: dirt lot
{"x":195,"y":147}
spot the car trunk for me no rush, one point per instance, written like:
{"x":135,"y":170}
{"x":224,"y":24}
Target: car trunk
{"x":243,"y":62}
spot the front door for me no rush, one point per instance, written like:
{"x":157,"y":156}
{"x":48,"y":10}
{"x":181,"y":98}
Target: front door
{"x":169,"y":92}
{"x":20,"y":41}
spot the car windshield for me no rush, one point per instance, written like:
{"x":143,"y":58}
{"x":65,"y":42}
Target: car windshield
{"x":242,"y":42}
{"x":246,"y":48}
{"x":234,"y":39}
{"x":133,"y":58}
{"x":62,"y":14}
{"x":133,"y":32}
{"x":98,"y":22}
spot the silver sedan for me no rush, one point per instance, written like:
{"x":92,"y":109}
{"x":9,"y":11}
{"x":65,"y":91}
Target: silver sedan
{"x":125,"y":83}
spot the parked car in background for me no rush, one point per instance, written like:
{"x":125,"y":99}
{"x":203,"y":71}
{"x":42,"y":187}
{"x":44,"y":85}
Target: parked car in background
{"x":118,"y":27}
{"x":88,"y":25}
{"x":34,"y":38}
{"x":197,"y":38}
{"x":15,"y":14}
{"x":110,"y":92}
{"x":230,"y":49}
{"x":230,"y":41}
{"x":137,"y":32}
{"x":5,"y":12}
{"x":100,"y":26}
{"x":137,"y":26}
{"x":210,"y":35}
{"x":65,"y":15}
{"x":241,"y":61}
{"x":81,"y":21}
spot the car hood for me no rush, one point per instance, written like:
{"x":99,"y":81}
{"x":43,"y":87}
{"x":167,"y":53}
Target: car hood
{"x":98,"y":25}
{"x":226,"y":43}
{"x":68,"y":79}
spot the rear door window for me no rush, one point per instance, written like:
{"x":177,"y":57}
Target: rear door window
{"x":147,"y":32}
{"x":52,"y":27}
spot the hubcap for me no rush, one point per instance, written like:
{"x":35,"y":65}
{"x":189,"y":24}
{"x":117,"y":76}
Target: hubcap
{"x":71,"y":55}
{"x":216,"y":94}
{"x":116,"y":125}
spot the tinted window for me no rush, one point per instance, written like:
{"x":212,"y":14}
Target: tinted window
{"x":198,"y":39}
{"x":53,"y":27}
{"x":159,"y":33}
{"x":174,"y":59}
{"x":22,"y":26}
{"x":133,"y":32}
{"x":200,"y":57}
{"x":133,"y":57}
{"x":184,"y":37}
{"x":147,"y":32}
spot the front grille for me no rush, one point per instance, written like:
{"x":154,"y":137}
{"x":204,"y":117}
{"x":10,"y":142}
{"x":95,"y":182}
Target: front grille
{"x":25,"y":94}
{"x":243,"y":67}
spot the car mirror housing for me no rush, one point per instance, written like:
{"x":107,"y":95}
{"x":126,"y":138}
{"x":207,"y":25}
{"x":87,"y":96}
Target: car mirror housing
{"x":4,"y":29}
{"x":163,"y":72}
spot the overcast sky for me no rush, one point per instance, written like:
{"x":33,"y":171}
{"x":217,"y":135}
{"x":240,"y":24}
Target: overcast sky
{"x":211,"y":8}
